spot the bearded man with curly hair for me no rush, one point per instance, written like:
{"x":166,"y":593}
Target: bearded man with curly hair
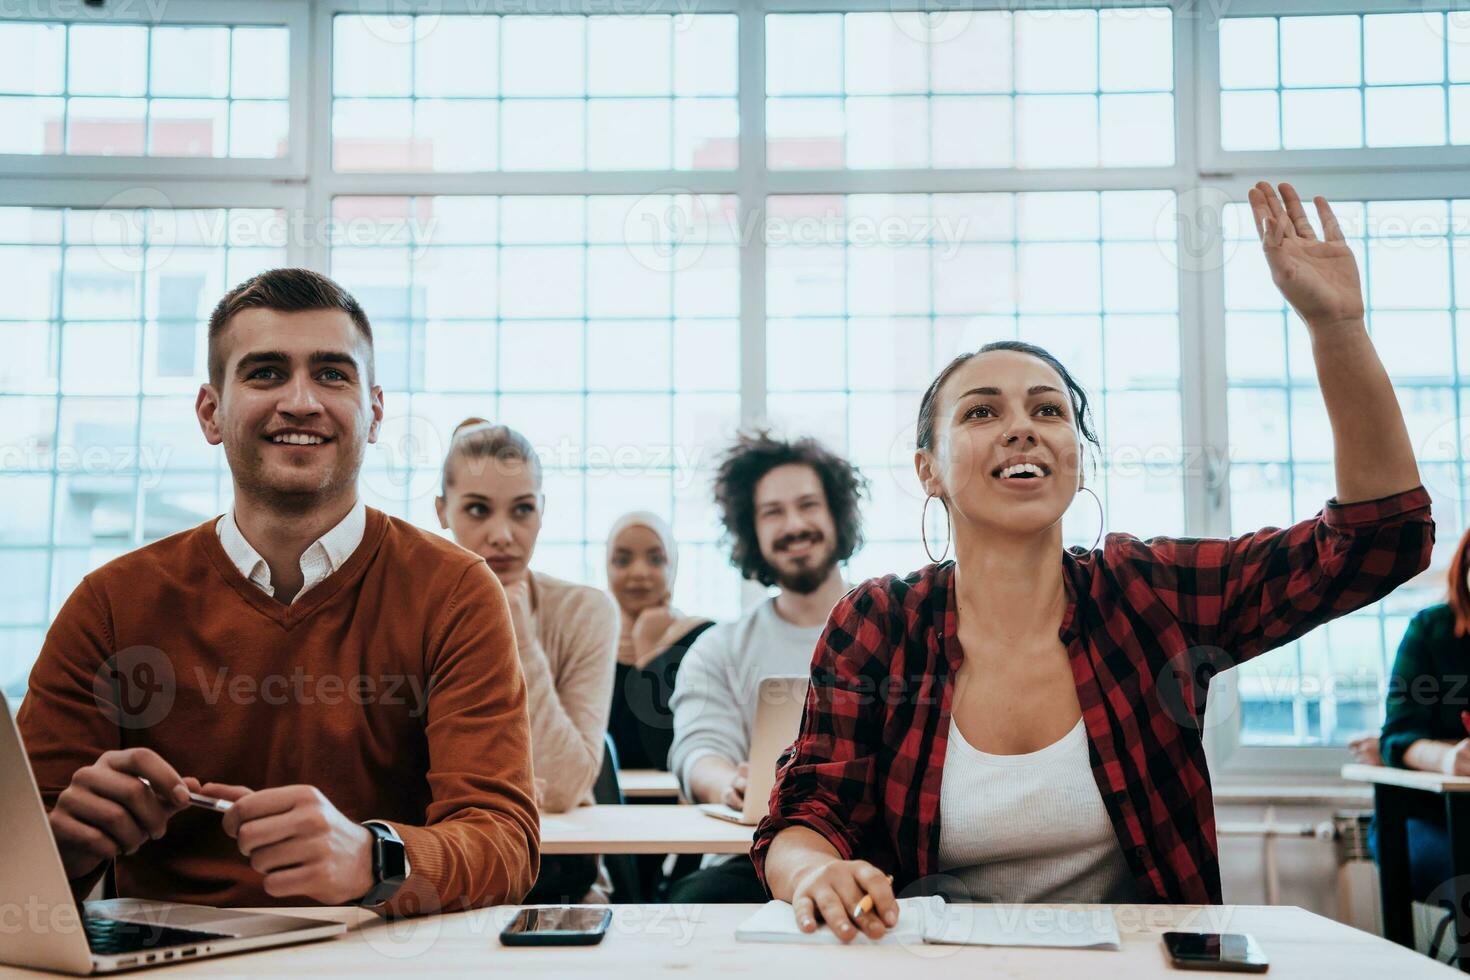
{"x":791,"y":516}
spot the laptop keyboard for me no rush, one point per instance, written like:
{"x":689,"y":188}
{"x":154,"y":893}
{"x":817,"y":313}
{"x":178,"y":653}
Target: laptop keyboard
{"x":108,"y":937}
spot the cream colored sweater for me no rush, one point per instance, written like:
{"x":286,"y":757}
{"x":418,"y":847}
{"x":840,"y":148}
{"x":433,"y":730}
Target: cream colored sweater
{"x":569,"y":679}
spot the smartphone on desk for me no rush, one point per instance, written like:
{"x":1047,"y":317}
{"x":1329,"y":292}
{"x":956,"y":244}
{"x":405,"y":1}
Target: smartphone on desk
{"x":1215,"y":951}
{"x":558,"y":925}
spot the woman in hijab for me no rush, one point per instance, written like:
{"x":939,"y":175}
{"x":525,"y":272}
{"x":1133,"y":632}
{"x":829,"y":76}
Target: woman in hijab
{"x":642,"y":560}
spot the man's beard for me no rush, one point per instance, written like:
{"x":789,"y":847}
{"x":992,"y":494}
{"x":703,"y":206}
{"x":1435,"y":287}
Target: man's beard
{"x":807,"y":579}
{"x":289,"y":500}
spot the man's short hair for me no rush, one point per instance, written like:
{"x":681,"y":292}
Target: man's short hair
{"x":287,"y":291}
{"x":744,"y":465}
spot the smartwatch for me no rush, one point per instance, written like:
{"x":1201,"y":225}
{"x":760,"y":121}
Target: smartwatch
{"x":390,"y":863}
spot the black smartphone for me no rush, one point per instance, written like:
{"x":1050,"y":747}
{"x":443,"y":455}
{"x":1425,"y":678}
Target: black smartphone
{"x":1215,"y":951}
{"x":558,"y":925}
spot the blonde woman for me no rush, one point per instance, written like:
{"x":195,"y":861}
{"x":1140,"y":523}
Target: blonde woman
{"x":566,"y":634}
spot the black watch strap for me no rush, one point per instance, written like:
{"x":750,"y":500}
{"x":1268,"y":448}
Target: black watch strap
{"x":390,"y":863}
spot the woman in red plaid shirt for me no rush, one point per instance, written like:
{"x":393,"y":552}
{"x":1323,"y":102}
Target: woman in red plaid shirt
{"x":1023,"y":723}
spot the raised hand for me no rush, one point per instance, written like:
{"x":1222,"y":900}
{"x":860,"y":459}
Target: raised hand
{"x":1318,"y":277}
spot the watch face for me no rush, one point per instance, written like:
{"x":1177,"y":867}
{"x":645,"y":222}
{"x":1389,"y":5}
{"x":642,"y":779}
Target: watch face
{"x":389,"y":863}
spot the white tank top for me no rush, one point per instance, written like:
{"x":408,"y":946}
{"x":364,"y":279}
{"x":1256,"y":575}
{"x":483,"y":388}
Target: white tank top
{"x":1029,"y":827}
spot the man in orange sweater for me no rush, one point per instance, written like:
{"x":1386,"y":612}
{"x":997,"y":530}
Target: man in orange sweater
{"x":349,"y":681}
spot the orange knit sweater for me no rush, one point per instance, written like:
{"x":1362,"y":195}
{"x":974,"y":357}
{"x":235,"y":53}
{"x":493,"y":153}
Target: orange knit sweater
{"x":393,"y":687}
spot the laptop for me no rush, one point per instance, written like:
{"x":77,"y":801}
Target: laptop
{"x":777,"y":723}
{"x":105,"y":936}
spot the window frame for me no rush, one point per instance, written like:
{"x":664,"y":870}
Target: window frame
{"x":289,"y":14}
{"x":1213,"y":158}
{"x":304,"y":182}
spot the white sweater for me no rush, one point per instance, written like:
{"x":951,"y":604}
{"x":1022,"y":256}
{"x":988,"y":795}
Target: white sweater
{"x":1029,"y":827}
{"x":718,"y":685}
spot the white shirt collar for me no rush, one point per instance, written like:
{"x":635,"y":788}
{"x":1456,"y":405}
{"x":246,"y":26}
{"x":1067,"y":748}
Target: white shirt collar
{"x":326,"y":554}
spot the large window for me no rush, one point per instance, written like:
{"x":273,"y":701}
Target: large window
{"x":970,"y":88}
{"x":628,"y":233}
{"x":534,"y":93}
{"x":140,"y":90}
{"x":583,"y":321}
{"x":102,"y":323}
{"x":1345,"y":81}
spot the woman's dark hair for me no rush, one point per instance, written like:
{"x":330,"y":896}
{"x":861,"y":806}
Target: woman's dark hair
{"x":1459,"y":588}
{"x":1075,"y":392}
{"x":753,"y":456}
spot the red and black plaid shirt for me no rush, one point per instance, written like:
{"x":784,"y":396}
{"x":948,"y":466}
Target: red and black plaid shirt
{"x":1148,"y":623}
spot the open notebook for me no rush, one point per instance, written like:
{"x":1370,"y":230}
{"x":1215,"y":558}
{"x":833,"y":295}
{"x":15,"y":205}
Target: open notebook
{"x":932,"y":920}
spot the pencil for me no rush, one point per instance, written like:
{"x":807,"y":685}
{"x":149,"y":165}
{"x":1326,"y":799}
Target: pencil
{"x":866,"y":905}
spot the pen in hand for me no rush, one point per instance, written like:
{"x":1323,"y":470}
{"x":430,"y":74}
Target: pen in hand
{"x":199,"y":799}
{"x":866,"y":905}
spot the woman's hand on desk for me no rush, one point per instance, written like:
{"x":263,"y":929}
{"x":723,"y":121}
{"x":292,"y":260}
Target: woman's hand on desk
{"x":1456,"y":759}
{"x":1432,"y":755}
{"x":834,"y":890}
{"x":1365,"y":750}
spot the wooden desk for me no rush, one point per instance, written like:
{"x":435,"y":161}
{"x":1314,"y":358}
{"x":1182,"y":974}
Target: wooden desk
{"x":698,"y":940}
{"x":648,"y":784}
{"x":647,"y":828}
{"x":1397,"y":792}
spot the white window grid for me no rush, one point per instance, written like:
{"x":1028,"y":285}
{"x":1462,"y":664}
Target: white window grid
{"x":1203,"y":176}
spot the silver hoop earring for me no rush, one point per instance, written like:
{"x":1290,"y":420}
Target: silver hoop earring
{"x":924,"y":531}
{"x":1098,"y":499}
